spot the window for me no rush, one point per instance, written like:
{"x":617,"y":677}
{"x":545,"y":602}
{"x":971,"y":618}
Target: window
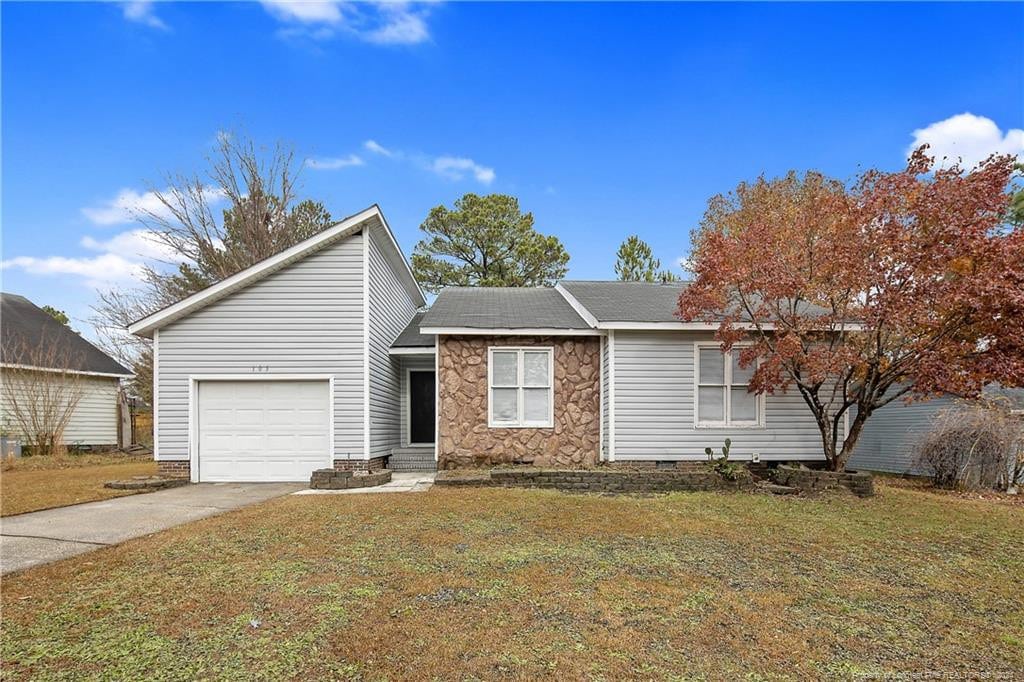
{"x":519,"y":391}
{"x":722,"y":396}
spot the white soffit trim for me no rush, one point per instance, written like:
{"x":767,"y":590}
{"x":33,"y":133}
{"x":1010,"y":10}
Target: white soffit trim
{"x":697,"y":326}
{"x":577,"y":306}
{"x":252,"y":274}
{"x":495,"y":331}
{"x":421,"y":350}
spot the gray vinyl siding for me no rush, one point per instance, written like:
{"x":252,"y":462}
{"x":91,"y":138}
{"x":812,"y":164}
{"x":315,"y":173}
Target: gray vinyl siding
{"x":410,"y":362}
{"x":887,"y":441}
{"x":304,"y":319}
{"x":94,"y":419}
{"x":654,"y":407}
{"x":604,"y":398}
{"x":391,"y":309}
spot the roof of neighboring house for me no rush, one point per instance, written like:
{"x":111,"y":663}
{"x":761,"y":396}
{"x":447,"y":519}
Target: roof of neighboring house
{"x":501,"y":308}
{"x":25,"y":328}
{"x":411,"y":336}
{"x":368,"y":219}
{"x":612,"y":301}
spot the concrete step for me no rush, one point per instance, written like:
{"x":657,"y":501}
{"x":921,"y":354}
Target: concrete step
{"x":412,"y":459}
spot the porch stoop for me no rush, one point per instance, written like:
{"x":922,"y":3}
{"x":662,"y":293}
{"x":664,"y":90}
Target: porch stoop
{"x":413,"y":458}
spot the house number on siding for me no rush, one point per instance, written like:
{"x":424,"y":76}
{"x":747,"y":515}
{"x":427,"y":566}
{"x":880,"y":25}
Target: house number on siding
{"x":259,"y":369}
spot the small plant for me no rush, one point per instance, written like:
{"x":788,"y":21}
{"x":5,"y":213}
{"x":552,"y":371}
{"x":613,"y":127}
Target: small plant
{"x":721,"y":465}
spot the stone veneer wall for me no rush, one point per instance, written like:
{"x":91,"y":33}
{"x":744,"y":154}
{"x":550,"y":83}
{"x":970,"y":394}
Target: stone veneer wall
{"x":465,"y":439}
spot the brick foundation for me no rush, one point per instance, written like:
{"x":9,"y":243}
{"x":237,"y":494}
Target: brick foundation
{"x":650,"y":480}
{"x":372,"y":464}
{"x":173,"y":469}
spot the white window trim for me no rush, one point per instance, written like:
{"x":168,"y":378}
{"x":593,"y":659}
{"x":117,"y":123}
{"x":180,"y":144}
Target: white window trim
{"x":727,"y":424}
{"x":520,"y":423}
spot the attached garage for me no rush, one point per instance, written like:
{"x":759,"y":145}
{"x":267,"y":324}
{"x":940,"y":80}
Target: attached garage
{"x":262,"y":429}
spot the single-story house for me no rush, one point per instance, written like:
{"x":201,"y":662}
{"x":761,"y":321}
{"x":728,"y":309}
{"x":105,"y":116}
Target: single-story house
{"x":44,"y":362}
{"x":325,"y":355}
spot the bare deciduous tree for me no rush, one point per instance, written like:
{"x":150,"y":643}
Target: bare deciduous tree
{"x":263,"y":216}
{"x":41,"y":393}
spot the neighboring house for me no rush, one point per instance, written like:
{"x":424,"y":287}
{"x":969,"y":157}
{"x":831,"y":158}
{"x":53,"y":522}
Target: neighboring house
{"x":890,"y":436}
{"x":322,"y":356}
{"x":33,"y":345}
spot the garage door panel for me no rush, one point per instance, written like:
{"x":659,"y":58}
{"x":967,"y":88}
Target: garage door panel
{"x":263,"y":430}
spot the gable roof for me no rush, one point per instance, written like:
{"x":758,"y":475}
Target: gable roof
{"x":501,"y":308}
{"x":614,"y":301}
{"x":367,"y":219}
{"x":411,"y":337}
{"x":26,"y":326}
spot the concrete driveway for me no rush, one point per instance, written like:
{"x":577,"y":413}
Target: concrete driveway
{"x":37,"y":538}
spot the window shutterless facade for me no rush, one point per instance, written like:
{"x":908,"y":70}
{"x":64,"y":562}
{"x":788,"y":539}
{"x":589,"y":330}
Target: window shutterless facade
{"x":721,"y":396}
{"x":520,"y":390}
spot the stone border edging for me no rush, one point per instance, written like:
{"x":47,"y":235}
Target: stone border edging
{"x":146,"y":483}
{"x":590,"y":480}
{"x":333,"y":479}
{"x":859,"y":483}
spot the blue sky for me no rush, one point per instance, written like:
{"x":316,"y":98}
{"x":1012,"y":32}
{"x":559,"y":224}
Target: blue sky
{"x":604,"y":119}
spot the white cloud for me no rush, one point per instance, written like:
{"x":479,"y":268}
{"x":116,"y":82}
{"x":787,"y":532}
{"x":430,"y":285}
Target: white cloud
{"x":402,"y":26}
{"x":450,"y":167}
{"x":128,"y":204}
{"x":372,"y":146}
{"x":119,"y":260}
{"x":382,"y":23}
{"x":455,"y":168}
{"x":304,"y":12}
{"x":134,"y":245}
{"x":335,"y":163}
{"x":142,"y":12}
{"x":968,"y":138}
{"x":98,"y":271}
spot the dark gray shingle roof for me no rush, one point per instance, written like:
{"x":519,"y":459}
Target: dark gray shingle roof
{"x":411,"y":337}
{"x":612,"y":301}
{"x":502,"y":308}
{"x":25,"y":326}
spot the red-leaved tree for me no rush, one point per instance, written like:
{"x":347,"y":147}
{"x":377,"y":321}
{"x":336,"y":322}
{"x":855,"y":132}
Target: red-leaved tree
{"x":902,"y":285}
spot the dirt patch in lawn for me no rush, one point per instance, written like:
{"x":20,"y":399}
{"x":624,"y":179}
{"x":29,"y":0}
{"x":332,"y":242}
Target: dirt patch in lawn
{"x":524,"y":584}
{"x":34,"y":483}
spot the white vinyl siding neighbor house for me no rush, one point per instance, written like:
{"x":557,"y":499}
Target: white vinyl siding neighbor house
{"x":294,"y":325}
{"x":37,"y":351}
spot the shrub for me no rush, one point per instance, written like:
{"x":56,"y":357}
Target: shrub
{"x":974,"y":445}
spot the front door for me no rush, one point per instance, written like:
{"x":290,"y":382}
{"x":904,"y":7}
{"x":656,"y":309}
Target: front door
{"x":421,"y":407}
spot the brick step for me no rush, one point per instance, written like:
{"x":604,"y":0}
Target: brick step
{"x":413,"y":467}
{"x":412,"y":459}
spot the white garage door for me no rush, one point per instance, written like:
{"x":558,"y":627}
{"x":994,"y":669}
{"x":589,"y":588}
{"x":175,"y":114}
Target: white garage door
{"x":263,"y":430}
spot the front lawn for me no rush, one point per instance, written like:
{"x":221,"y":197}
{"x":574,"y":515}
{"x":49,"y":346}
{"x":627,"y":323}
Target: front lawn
{"x":33,"y":483}
{"x":521,"y":584}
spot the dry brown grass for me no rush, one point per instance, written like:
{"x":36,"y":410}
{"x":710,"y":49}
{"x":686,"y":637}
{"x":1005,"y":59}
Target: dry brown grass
{"x":34,"y":483}
{"x":526,"y":584}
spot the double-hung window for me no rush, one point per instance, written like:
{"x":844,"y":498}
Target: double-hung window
{"x":520,"y":387}
{"x":722,"y":395}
